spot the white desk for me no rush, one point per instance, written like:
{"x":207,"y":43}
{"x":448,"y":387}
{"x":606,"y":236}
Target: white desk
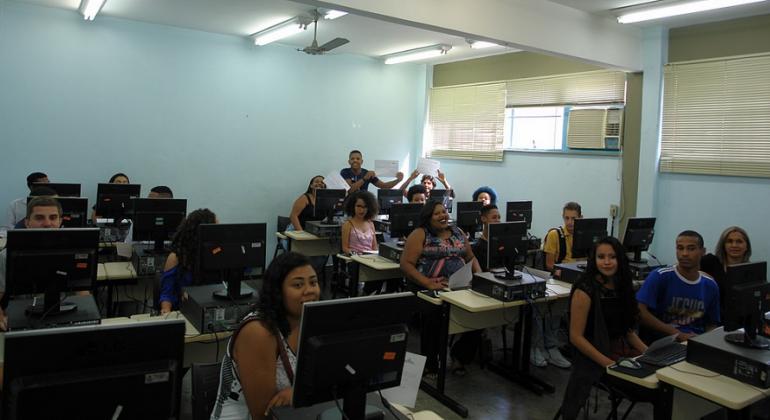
{"x":310,"y":245}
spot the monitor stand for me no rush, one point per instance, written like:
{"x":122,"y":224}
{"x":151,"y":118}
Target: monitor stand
{"x":637,"y":258}
{"x":234,"y":290}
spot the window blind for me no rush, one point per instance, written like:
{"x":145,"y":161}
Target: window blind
{"x":593,"y":87}
{"x":716,"y":117}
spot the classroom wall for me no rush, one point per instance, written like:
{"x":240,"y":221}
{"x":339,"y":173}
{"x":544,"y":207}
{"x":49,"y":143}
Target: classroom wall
{"x":230,"y":126}
{"x":749,"y":35}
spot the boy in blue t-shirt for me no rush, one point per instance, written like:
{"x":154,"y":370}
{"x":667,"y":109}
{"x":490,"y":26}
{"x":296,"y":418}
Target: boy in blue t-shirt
{"x":681,"y":299}
{"x":359,"y":178}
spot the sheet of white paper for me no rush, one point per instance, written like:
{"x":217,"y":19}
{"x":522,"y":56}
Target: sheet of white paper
{"x":406,"y":393}
{"x":462,"y":277}
{"x":124,"y":249}
{"x":334,"y":181}
{"x":386,"y":168}
{"x":428,"y":166}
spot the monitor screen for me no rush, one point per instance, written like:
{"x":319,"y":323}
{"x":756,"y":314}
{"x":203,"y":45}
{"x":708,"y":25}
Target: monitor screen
{"x":156,"y":219}
{"x":349,"y":347}
{"x":328,"y":202}
{"x":746,"y":302}
{"x":94,"y":372}
{"x":113,"y":201}
{"x":404,"y":218}
{"x":586,"y":233}
{"x":387,"y":198}
{"x":62,"y":189}
{"x":519,"y":211}
{"x":638,"y":235}
{"x":507,"y":245}
{"x":445,"y":196}
{"x":226,"y":251}
{"x":469,"y":215}
{"x":51,"y":261}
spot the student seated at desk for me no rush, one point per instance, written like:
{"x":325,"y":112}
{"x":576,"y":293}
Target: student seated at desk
{"x":417,"y":194}
{"x":18,"y":207}
{"x":118,"y":178}
{"x":603,"y":318}
{"x":486,"y":195}
{"x":358,"y":233}
{"x":489,"y":215}
{"x":36,"y":192}
{"x":432,"y":253}
{"x":557,"y":244}
{"x":304,"y":206}
{"x":160,"y":191}
{"x":359,"y":178}
{"x":258,"y":367}
{"x":733,"y":247}
{"x":182,"y":262}
{"x":680,"y":300}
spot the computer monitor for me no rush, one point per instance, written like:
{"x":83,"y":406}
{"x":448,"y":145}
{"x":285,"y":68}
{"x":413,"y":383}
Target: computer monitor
{"x":327,"y":202}
{"x":586,"y":233}
{"x":746,"y":302}
{"x":445,"y":196}
{"x":156,"y":219}
{"x":131,"y":371}
{"x":507,"y":245}
{"x":74,"y":211}
{"x":404,"y":218}
{"x":386,"y":198}
{"x":518,"y":211}
{"x":469,"y":216}
{"x":226,"y":251}
{"x":51,"y":261}
{"x":638,"y":236}
{"x":62,"y":189}
{"x":349,"y":347}
{"x":113,"y":201}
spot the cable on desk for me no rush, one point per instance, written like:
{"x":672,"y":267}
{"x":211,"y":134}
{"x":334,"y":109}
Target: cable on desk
{"x":694,"y":373}
{"x":386,"y":404}
{"x":216,"y":337}
{"x":337,"y":403}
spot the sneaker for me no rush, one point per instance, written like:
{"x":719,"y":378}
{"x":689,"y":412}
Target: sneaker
{"x":554,"y":356}
{"x":536,"y":357}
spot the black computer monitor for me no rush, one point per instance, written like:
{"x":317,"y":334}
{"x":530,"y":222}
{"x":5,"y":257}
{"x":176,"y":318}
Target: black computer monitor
{"x":469,"y":215}
{"x":74,"y":211}
{"x":51,"y":261}
{"x":586,"y":233}
{"x":404,"y":218}
{"x":444,"y":196}
{"x":226,"y":251}
{"x":638,"y":236}
{"x":386,"y":198}
{"x":156,"y":219}
{"x":131,"y":371}
{"x":519,"y":211}
{"x":507,"y":245}
{"x":746,"y":302}
{"x":349,"y":347}
{"x":327,"y":203}
{"x":62,"y":189}
{"x":113,"y":201}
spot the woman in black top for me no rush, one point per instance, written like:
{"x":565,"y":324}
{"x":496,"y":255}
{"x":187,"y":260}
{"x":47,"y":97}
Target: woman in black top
{"x":303,"y":208}
{"x":603,"y":317}
{"x":733,"y":247}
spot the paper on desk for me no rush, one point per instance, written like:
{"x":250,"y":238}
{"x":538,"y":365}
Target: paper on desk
{"x":428,"y":166}
{"x":335,"y":181}
{"x":124,"y":249}
{"x":386,"y":168}
{"x":406,"y":393}
{"x":462,"y":277}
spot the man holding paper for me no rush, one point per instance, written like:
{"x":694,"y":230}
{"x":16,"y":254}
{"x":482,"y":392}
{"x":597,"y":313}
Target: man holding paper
{"x":359,"y":178}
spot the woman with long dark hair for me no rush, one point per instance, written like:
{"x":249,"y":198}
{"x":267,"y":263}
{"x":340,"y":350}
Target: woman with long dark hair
{"x":303,"y":208}
{"x":258,"y":367}
{"x":603,"y":320}
{"x":182,"y":263}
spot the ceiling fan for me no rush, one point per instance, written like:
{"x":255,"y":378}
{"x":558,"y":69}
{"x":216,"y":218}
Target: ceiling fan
{"x":314,"y":48}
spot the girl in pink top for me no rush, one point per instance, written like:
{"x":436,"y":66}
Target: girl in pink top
{"x":358,"y":234}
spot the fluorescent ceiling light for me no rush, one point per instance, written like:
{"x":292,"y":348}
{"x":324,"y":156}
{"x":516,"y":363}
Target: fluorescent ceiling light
{"x":680,"y":9}
{"x":282,"y":30}
{"x":418,"y":54}
{"x":334,"y":14}
{"x":89,"y":8}
{"x":476,"y":45}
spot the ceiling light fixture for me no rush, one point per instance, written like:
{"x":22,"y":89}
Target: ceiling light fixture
{"x":680,"y":9}
{"x":334,"y":14}
{"x":89,"y":8}
{"x":477,"y":45}
{"x":282,"y":30}
{"x":417,"y":54}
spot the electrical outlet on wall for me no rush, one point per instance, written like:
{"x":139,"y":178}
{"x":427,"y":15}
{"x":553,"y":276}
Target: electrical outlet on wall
{"x":613,"y":210}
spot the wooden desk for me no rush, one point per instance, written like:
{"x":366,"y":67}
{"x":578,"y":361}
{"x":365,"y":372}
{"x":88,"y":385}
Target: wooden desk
{"x":310,"y":245}
{"x":372,"y":267}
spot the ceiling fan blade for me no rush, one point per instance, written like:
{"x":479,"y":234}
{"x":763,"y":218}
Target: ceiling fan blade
{"x":334,"y":43}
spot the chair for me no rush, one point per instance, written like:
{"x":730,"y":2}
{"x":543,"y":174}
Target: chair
{"x":616,"y":397}
{"x":281,"y":224}
{"x":205,"y":384}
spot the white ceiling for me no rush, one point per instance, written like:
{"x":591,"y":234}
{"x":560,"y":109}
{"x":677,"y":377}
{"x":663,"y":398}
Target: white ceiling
{"x":369,"y":37}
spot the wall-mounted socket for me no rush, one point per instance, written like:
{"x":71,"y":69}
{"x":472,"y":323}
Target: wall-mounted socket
{"x":614,"y":210}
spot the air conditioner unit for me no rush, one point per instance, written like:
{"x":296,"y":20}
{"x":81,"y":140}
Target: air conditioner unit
{"x":595,"y":128}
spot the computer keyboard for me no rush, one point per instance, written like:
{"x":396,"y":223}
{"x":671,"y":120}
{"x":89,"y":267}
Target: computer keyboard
{"x":665,"y":356}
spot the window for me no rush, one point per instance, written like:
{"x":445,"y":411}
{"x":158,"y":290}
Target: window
{"x":534,"y":128}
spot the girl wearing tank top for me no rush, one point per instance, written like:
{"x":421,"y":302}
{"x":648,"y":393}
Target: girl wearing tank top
{"x":358,"y":234}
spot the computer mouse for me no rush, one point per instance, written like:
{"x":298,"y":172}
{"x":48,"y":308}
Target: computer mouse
{"x":628,"y":363}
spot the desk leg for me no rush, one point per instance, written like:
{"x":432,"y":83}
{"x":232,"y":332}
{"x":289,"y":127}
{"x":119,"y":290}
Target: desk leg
{"x":437,"y":391}
{"x":355,"y":270}
{"x":518,"y":370}
{"x":110,"y":303}
{"x":663,"y":407}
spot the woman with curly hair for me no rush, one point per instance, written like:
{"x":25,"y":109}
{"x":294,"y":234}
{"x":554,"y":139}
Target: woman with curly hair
{"x":258,"y":367}
{"x":182,"y":263}
{"x":486,"y":195}
{"x":358,"y":231}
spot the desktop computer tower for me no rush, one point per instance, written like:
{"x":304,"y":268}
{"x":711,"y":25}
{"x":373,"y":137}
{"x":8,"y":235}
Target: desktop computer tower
{"x":323,"y":230}
{"x":508,"y":290}
{"x":712,"y":352}
{"x":391,"y":251}
{"x":209,"y":314}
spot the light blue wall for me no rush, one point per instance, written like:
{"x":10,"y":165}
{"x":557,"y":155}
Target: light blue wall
{"x":549,"y":180}
{"x":229,"y":126}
